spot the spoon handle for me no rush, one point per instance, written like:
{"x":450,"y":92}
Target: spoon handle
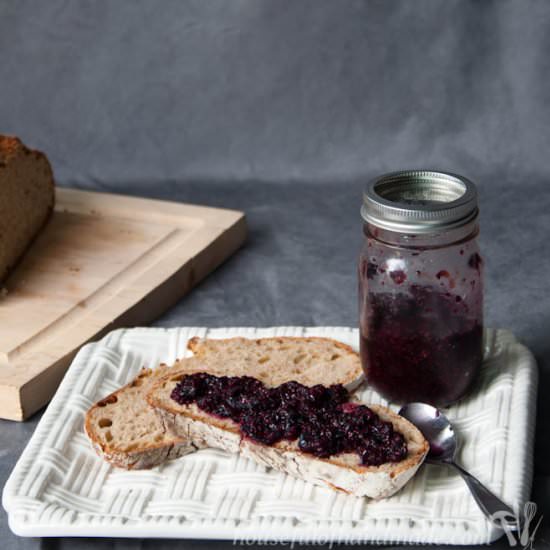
{"x":497,"y":511}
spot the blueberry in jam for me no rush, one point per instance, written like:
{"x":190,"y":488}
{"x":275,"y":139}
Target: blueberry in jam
{"x":322,"y":419}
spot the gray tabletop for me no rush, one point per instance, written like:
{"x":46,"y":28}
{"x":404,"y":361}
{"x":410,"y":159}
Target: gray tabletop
{"x":284,"y":109}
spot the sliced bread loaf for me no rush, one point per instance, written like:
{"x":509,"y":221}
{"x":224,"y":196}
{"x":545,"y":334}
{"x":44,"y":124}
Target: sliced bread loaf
{"x":342,"y":471}
{"x":126,"y":432}
{"x":26,"y":199}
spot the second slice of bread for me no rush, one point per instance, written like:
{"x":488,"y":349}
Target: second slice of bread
{"x":126,"y":432}
{"x":275,"y":360}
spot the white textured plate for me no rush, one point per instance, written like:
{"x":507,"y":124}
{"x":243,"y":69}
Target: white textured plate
{"x":59,"y":487}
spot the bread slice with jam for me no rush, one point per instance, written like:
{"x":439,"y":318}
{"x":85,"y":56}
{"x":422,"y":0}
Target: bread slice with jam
{"x":346,"y":471}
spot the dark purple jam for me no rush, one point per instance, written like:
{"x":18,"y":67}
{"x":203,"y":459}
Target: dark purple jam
{"x":422,"y":345}
{"x":321,"y":418}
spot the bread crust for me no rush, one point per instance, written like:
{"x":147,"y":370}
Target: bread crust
{"x":195,"y":344}
{"x":145,"y":459}
{"x":362,"y":481}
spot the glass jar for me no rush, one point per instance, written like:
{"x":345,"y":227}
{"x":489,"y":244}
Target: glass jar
{"x":421,"y":287}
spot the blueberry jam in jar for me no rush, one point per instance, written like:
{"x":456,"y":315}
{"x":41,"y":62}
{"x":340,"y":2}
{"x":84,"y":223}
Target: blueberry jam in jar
{"x":421,"y":287}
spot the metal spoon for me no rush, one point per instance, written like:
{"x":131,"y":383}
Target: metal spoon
{"x":438,"y":430}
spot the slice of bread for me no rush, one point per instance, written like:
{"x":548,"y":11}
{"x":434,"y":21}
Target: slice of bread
{"x":126,"y":431}
{"x":26,"y":199}
{"x":275,"y":360}
{"x":343,"y":472}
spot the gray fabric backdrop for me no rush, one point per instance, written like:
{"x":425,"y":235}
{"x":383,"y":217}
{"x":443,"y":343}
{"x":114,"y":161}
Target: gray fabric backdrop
{"x":283,"y":109}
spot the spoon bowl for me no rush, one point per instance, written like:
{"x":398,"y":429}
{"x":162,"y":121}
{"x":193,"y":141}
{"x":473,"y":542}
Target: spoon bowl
{"x":435,"y":427}
{"x":439,"y":432}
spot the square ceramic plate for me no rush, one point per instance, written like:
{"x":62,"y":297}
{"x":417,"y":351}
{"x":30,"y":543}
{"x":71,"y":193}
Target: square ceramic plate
{"x":59,"y":487}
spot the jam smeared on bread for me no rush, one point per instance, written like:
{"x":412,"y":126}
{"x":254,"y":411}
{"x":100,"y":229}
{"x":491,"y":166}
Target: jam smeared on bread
{"x":322,"y":419}
{"x":26,"y":199}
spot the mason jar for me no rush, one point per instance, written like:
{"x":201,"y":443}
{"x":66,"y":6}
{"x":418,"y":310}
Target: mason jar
{"x":421,"y":287}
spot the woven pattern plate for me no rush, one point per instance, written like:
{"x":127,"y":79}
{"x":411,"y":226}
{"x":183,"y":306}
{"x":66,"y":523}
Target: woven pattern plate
{"x":59,"y":487}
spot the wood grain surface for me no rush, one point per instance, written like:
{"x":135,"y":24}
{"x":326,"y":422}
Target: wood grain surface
{"x":103,"y":261}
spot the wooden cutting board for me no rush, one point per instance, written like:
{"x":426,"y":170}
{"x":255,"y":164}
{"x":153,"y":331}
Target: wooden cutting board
{"x":103,"y":261}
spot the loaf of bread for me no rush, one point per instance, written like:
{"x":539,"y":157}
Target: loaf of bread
{"x":26,"y":199}
{"x":125,"y":430}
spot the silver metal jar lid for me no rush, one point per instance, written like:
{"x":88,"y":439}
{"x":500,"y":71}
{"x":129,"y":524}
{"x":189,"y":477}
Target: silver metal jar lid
{"x":420,"y":202}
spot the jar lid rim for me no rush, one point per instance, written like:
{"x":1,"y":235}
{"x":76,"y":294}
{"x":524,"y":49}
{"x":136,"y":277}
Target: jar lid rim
{"x":420,"y":201}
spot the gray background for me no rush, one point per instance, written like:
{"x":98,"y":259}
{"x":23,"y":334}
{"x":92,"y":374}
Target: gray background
{"x":284,"y":109}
